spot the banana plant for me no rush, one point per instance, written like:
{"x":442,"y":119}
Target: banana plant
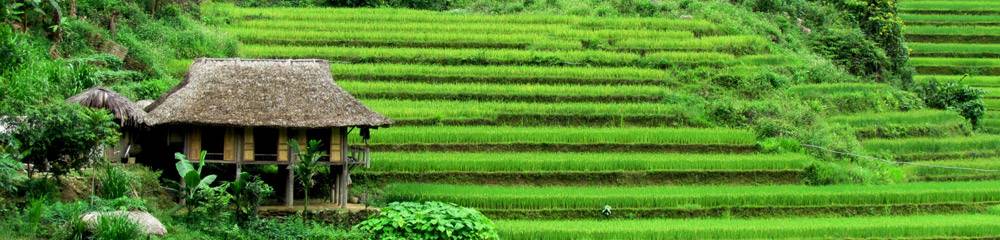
{"x":192,"y":181}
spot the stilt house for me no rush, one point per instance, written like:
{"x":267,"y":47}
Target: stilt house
{"x":244,"y":111}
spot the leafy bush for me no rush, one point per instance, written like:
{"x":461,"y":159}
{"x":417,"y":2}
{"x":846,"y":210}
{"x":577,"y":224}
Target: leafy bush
{"x":63,"y":137}
{"x":194,"y":183}
{"x":429,"y":220}
{"x":115,"y":183}
{"x":11,"y":176}
{"x":116,"y":227}
{"x":955,"y":96}
{"x":849,"y":48}
{"x":248,"y":193}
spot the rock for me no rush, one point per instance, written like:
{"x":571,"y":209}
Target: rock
{"x":147,"y":222}
{"x":687,"y":17}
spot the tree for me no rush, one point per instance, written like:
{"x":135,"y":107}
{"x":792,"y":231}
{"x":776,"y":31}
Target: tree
{"x":307,"y":166}
{"x":61,"y":137}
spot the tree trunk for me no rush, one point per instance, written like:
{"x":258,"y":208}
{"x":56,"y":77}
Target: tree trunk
{"x":305,"y":205}
{"x":72,"y":8}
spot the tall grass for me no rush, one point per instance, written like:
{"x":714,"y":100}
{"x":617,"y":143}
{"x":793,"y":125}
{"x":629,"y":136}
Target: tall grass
{"x":883,"y":227}
{"x":669,"y":197}
{"x":559,"y":135}
{"x":555,"y":162}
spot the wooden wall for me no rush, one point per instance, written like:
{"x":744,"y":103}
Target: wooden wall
{"x":238,"y":143}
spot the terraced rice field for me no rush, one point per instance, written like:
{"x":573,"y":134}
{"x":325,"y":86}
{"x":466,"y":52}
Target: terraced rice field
{"x":543,"y":121}
{"x":952,"y":40}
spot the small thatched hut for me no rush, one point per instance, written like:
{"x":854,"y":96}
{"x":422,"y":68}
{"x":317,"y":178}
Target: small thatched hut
{"x":243,"y":111}
{"x":128,"y":114}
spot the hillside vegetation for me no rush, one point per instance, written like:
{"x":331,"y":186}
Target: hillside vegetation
{"x":672,"y":119}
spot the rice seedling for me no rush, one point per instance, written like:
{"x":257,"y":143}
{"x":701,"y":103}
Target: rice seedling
{"x":812,"y":91}
{"x":955,"y":49}
{"x":400,"y":39}
{"x":950,"y":19}
{"x":580,"y":162}
{"x":941,"y":6}
{"x":958,"y":62}
{"x":393,"y":16}
{"x":879,"y":227}
{"x":668,"y":197}
{"x":952,"y":30}
{"x":491,"y":56}
{"x":365,"y":26}
{"x":527,"y":92}
{"x":918,"y":117}
{"x":500,"y":74}
{"x":451,"y":56}
{"x":981,"y":81}
{"x":955,"y":169}
{"x":978,"y":144}
{"x":739,"y":44}
{"x":559,"y":135}
{"x":539,"y":114}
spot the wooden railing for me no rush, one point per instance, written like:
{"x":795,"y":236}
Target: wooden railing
{"x":359,"y":156}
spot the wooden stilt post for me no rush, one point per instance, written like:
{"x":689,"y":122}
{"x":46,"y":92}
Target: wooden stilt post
{"x":335,"y":188}
{"x":290,"y":187}
{"x":343,"y":186}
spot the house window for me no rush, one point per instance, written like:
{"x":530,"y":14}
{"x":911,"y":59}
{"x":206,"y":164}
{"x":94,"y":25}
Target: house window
{"x":213,"y":142}
{"x":265,"y":144}
{"x":323,"y":135}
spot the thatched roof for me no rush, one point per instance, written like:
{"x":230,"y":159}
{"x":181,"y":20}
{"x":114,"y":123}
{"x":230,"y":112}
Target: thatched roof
{"x":261,"y":93}
{"x":127,"y":113}
{"x":144,"y":103}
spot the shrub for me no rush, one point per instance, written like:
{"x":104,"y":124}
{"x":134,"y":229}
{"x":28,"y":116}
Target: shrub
{"x":116,"y":227}
{"x":10,"y":174}
{"x":115,"y":183}
{"x":429,"y":220}
{"x":955,"y":96}
{"x":64,"y":137}
{"x":248,"y":193}
{"x":848,"y":48}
